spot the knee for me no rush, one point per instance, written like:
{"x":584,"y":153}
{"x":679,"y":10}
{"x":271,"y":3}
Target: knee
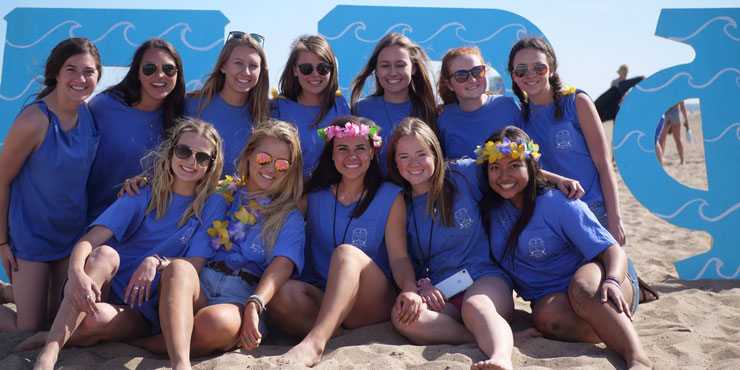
{"x":472,"y":307}
{"x":346,"y":255}
{"x":216,"y":329}
{"x":283,"y":302}
{"x":91,"y":328}
{"x":178,"y":270}
{"x":103,"y":257}
{"x":548,"y":323}
{"x":581,"y":291}
{"x":410,"y":331}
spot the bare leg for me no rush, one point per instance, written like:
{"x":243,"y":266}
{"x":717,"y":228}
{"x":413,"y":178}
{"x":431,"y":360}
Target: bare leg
{"x":485,"y":311}
{"x":6,"y":292}
{"x":434,"y":327}
{"x":57,"y":276}
{"x":677,"y":138}
{"x":661,"y":141}
{"x":357,"y":294}
{"x":31,"y":301}
{"x":295,"y":306}
{"x":216,"y":328}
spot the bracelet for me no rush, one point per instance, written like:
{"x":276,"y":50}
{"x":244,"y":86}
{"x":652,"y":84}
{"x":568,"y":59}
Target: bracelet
{"x":422,"y":283}
{"x":162,"y":262}
{"x":258,"y":301}
{"x":5,"y":243}
{"x":614,"y":279}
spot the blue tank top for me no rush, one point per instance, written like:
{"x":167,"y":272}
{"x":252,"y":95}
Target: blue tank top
{"x":48,"y":201}
{"x":387,"y":116}
{"x":126,"y":135}
{"x":563,"y":146}
{"x":366,"y":232}
{"x":233,"y":123}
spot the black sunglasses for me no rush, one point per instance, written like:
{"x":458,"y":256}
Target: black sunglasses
{"x":240,"y":35}
{"x":149,"y":69}
{"x":183,"y":151}
{"x":522,"y":69}
{"x":322,"y":68}
{"x":464,"y":74}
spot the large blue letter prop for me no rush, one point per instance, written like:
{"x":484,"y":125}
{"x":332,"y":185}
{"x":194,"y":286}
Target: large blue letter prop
{"x":714,"y":78}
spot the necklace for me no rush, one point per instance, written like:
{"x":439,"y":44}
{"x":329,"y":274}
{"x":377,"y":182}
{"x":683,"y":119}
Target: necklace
{"x":334,"y":220}
{"x":428,"y":257}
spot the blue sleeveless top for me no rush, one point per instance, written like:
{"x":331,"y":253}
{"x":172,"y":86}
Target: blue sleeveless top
{"x":48,"y":200}
{"x":387,"y":116}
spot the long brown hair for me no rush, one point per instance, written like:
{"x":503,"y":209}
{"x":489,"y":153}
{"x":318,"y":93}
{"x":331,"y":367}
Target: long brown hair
{"x":63,"y":51}
{"x":421,"y":91}
{"x":257,"y":97}
{"x":289,"y":85}
{"x":537,"y":43}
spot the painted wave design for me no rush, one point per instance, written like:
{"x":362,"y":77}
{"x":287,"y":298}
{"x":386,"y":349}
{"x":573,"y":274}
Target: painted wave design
{"x":639,"y":134}
{"x":702,"y":204}
{"x":730,"y":23}
{"x":126,"y":27}
{"x":691,"y":79}
{"x":406,"y":29}
{"x":718,"y":265}
{"x":737,"y":132}
{"x":23,"y":93}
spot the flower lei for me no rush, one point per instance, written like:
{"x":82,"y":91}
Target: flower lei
{"x":518,"y":150}
{"x":351,"y":129}
{"x":234,"y":229}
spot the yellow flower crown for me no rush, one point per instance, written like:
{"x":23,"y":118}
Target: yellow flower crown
{"x":518,"y":150}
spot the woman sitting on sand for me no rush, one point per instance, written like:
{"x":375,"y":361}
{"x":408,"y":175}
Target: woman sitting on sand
{"x":356,"y":227}
{"x":111,"y":291}
{"x":581,"y":286}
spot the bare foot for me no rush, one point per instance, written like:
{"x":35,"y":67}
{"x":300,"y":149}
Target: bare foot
{"x":637,"y":365}
{"x":305,"y":353}
{"x":35,"y":341}
{"x":46,"y":360}
{"x":527,"y":333}
{"x":496,"y":364}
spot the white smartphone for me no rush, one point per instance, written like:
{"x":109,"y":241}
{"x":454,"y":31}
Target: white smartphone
{"x":454,"y":284}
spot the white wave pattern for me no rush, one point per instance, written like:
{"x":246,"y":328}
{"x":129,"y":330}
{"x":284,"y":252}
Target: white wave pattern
{"x":639,"y":134}
{"x":719,"y":264}
{"x":185,"y":30}
{"x":730,"y":22}
{"x":725,"y":132}
{"x":701,"y":211}
{"x":28,"y":86}
{"x":406,"y":28}
{"x":691,"y":78}
{"x":74,"y":23}
{"x":128,"y":26}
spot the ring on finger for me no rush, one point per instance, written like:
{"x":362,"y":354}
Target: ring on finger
{"x":87,"y":296}
{"x":136,"y":288}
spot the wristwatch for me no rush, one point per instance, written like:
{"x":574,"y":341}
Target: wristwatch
{"x":162,"y":261}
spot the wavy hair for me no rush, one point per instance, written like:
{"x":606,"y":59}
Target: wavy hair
{"x":537,"y":185}
{"x":443,"y":188}
{"x":539,"y":44}
{"x":286,"y":191}
{"x":420,"y":89}
{"x":158,"y":168}
{"x":289,"y":85}
{"x":129,"y":89}
{"x":63,"y":51}
{"x":257,"y":97}
{"x":326,"y":174}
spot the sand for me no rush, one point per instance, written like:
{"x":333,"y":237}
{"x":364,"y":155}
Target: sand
{"x":694,"y":325}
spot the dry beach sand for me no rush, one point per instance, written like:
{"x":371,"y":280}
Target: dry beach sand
{"x":694,"y":325}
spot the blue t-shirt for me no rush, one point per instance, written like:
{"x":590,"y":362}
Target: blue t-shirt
{"x":126,"y":135}
{"x":562,"y":235}
{"x":461,"y":246}
{"x":366,"y":232}
{"x":250,"y":255}
{"x":233,"y":123}
{"x":48,"y":200}
{"x":460,"y":131}
{"x":387,"y":116}
{"x":303,"y":117}
{"x":563,"y":146}
{"x":137,"y":235}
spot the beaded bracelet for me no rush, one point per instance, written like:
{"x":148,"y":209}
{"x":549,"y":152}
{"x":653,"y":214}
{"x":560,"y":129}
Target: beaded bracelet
{"x":614,"y":279}
{"x":258,"y":301}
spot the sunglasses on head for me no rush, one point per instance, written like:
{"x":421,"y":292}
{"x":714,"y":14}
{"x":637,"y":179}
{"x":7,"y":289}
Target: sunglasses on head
{"x":281,"y":165}
{"x":521,"y":70}
{"x":183,"y":151}
{"x":149,"y":69}
{"x":322,"y":68}
{"x":240,"y":35}
{"x":464,"y":74}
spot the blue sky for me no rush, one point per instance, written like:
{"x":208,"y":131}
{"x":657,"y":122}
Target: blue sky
{"x":591,"y":38}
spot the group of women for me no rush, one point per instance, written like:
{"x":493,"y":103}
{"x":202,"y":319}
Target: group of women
{"x":181,"y":264}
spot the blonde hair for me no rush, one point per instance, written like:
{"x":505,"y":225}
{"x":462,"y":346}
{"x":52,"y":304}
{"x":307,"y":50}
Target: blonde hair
{"x":257,"y":97}
{"x":158,"y":169}
{"x":445,"y":93}
{"x":286,"y":191}
{"x":442,"y":190}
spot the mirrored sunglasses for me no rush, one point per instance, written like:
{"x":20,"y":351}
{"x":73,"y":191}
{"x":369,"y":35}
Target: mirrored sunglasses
{"x":464,"y":74}
{"x":281,"y":165}
{"x":522,"y":69}
{"x":240,"y":35}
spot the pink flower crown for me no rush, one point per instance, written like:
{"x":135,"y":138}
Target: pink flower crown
{"x":351,"y":129}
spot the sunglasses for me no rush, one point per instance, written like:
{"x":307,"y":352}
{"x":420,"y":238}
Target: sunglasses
{"x":322,"y":68}
{"x":521,"y":70}
{"x":240,"y":35}
{"x":281,"y":165}
{"x":149,"y":69}
{"x":464,"y":74}
{"x":183,"y":151}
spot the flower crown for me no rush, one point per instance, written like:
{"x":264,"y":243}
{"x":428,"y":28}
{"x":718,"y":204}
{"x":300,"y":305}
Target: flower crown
{"x":500,"y":149}
{"x":351,"y":129}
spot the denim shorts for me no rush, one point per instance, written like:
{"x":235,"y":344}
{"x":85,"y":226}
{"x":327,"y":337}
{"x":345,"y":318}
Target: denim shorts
{"x":632,"y":277}
{"x":599,"y":210}
{"x":221,"y":288}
